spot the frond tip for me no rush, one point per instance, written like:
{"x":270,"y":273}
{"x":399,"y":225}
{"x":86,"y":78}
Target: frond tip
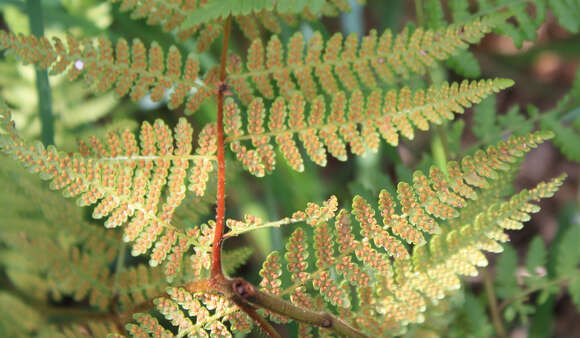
{"x":357,"y":120}
{"x":136,"y":185}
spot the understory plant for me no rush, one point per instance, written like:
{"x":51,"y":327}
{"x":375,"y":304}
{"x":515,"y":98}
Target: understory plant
{"x":382,"y":263}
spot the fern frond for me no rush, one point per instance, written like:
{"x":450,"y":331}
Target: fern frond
{"x":567,"y":12}
{"x":94,"y":328}
{"x":147,"y":326}
{"x":11,"y":321}
{"x":235,"y":258}
{"x":204,"y":18}
{"x":313,"y":214}
{"x":567,"y":260}
{"x":168,"y":14}
{"x":138,"y":284}
{"x":516,"y":19}
{"x":132,"y":70}
{"x":563,"y":120}
{"x":210,"y":312}
{"x":62,"y":271}
{"x":405,"y":278}
{"x":84,"y":274}
{"x":517,"y":22}
{"x":356,"y":121}
{"x":80,"y":266}
{"x":535,"y":276}
{"x":567,"y":137}
{"x":171,"y":16}
{"x":221,"y":9}
{"x":138,"y":187}
{"x":353,"y":64}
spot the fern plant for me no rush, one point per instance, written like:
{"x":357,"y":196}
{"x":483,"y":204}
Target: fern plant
{"x":355,"y":268}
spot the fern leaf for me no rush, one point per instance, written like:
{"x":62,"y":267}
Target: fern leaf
{"x":11,"y":322}
{"x":235,"y":258}
{"x":209,"y":15}
{"x":462,"y":212}
{"x":516,"y":21}
{"x":536,"y":262}
{"x":79,"y":269}
{"x":82,"y":275}
{"x":125,"y":181}
{"x":567,"y":13}
{"x":94,"y":328}
{"x":527,"y":26}
{"x":270,"y":273}
{"x":506,"y":281}
{"x":567,"y":260}
{"x":434,"y":15}
{"x":213,"y":10}
{"x":147,"y":325}
{"x":399,"y":112}
{"x":131,"y":70}
{"x":203,"y":19}
{"x":465,"y":64}
{"x":182,"y":306}
{"x":200,"y":262}
{"x":350,"y":65}
{"x":138,"y":284}
{"x":488,"y":125}
{"x":484,"y":118}
{"x":169,"y":15}
{"x":567,"y":137}
{"x":474,"y":319}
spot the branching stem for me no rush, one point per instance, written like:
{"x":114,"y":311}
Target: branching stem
{"x":246,"y":293}
{"x":246,"y":296}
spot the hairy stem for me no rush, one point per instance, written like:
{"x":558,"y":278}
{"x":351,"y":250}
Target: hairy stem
{"x":493,"y":308}
{"x":216,"y":255}
{"x":42,"y":84}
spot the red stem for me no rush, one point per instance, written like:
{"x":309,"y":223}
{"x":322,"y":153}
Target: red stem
{"x":218,"y":281}
{"x":216,"y":254}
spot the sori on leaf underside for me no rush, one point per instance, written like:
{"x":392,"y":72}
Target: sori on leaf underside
{"x":433,"y":231}
{"x":141,"y":183}
{"x":368,"y":274}
{"x":138,"y":71}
